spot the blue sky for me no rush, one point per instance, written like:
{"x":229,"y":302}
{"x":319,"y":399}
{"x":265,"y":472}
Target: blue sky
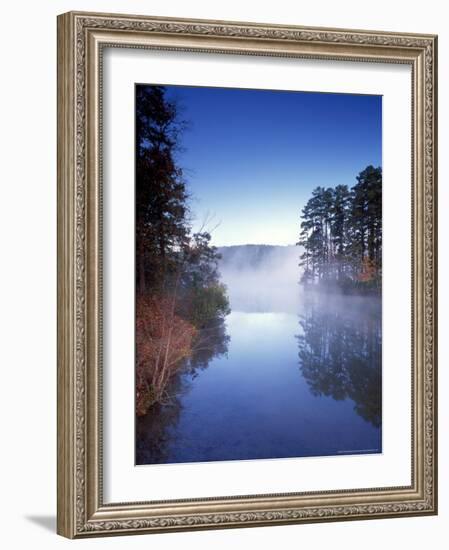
{"x":253,"y":157}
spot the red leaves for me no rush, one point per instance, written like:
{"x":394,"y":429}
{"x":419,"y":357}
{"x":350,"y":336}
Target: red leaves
{"x":163,"y":340}
{"x":368,"y":271}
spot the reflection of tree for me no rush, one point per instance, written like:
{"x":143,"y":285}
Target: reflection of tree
{"x":156,"y":430}
{"x":340,"y":354}
{"x":211,"y":342}
{"x":153,"y":430}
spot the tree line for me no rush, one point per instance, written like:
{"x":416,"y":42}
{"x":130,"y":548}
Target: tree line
{"x":178,"y":288}
{"x":341,"y":235}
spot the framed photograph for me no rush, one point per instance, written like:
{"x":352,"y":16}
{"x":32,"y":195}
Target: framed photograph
{"x":246,"y":274}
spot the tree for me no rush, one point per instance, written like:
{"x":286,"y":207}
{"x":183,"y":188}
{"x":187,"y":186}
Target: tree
{"x":161,"y":195}
{"x":366,"y":219}
{"x":341,"y":234}
{"x":177,"y":280}
{"x":314,"y":228}
{"x":204,"y":297}
{"x":339,"y":227}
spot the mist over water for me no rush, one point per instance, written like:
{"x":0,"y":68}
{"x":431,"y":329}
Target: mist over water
{"x":262,"y":278}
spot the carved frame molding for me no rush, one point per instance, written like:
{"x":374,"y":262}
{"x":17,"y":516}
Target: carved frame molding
{"x":81,"y":39}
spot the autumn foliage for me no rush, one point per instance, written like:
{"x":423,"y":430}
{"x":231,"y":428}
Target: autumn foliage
{"x":368,"y":272}
{"x":163,"y":340}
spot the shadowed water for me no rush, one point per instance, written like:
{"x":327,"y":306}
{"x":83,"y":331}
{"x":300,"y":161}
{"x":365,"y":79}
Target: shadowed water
{"x":292,"y":374}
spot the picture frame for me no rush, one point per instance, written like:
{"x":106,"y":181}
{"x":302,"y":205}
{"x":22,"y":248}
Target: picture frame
{"x":82,"y":40}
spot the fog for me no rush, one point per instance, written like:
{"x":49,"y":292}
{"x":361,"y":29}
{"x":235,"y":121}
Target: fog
{"x":262,"y":278}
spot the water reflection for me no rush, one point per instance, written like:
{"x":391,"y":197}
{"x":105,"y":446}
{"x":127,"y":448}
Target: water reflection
{"x":242,"y":395}
{"x":154,"y":431}
{"x":340,"y":352}
{"x":213,"y":342}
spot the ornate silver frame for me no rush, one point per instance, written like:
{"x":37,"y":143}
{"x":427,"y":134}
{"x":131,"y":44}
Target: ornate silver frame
{"x":81,"y":510}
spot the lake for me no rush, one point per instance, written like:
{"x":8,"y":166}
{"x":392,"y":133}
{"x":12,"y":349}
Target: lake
{"x":293,"y":375}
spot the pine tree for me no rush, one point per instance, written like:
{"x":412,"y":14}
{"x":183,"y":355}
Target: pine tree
{"x":161,"y":195}
{"x":339,"y":228}
{"x":341,"y":233}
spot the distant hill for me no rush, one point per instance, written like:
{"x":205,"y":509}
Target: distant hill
{"x":254,"y":256}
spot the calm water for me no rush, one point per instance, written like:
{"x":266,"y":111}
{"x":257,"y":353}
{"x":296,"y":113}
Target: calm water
{"x":302,"y":379}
